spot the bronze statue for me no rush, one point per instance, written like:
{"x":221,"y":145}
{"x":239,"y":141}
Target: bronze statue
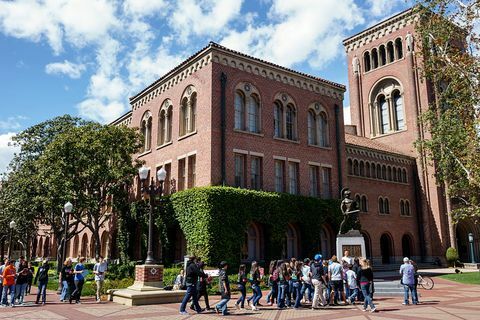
{"x":348,"y":207}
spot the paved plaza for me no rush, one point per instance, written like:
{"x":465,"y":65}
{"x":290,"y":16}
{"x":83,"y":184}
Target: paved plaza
{"x":448,"y":300}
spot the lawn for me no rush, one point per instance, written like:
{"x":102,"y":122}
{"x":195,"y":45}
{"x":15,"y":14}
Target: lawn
{"x":467,"y":278}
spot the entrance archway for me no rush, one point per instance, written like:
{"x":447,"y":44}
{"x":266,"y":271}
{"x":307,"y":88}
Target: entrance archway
{"x":291,"y":247}
{"x":368,"y":244}
{"x":386,"y":248}
{"x":463,"y":228}
{"x":325,"y":242}
{"x":407,"y":246}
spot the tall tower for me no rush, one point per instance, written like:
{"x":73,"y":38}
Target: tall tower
{"x":387,"y":96}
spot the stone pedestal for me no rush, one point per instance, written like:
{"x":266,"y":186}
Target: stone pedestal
{"x":148,"y":277}
{"x":352,"y":241}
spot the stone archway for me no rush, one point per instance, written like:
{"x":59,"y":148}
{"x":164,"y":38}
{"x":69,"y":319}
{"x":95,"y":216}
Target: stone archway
{"x":407,"y":246}
{"x":463,"y":228}
{"x":368,"y":244}
{"x":386,"y":248}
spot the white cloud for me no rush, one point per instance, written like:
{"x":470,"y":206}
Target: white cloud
{"x":299,"y":31}
{"x":11,"y":123}
{"x":67,"y":68}
{"x":347,"y":116}
{"x":204,"y":17}
{"x":101,"y":110}
{"x":7,"y":150}
{"x":141,"y":8}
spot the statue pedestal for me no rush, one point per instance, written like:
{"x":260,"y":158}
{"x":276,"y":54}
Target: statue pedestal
{"x":148,"y":277}
{"x":352,"y":241}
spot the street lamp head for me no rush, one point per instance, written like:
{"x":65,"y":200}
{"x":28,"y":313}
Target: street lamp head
{"x":470,"y":237}
{"x":13,"y":224}
{"x":161,"y":174}
{"x":143,"y":173}
{"x":68,"y":207}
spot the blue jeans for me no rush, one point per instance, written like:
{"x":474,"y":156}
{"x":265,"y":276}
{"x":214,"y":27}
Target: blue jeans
{"x":222,"y":305}
{"x":42,"y":290}
{"x":5,"y":294}
{"x":191,"y":293}
{"x":243,"y":291}
{"x":353,"y":294}
{"x":296,"y":286}
{"x":282,"y":288}
{"x":305,"y":287}
{"x":257,"y":294}
{"x":367,"y":297}
{"x":272,"y":295}
{"x":20,"y":292}
{"x":412,"y":288}
{"x":63,"y":295}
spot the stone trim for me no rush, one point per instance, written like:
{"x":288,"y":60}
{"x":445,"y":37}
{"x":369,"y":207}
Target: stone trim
{"x":378,"y":154}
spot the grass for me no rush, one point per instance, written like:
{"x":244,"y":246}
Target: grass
{"x":467,"y":277}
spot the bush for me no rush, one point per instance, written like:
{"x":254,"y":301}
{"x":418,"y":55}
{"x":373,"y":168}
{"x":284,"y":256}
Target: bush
{"x":452,"y":256}
{"x":121,"y":271}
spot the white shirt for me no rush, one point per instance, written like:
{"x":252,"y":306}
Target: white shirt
{"x":101,"y":268}
{"x":351,"y":279}
{"x":335,"y":270}
{"x":348,"y":260}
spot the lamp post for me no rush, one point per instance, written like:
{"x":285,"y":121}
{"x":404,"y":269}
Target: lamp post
{"x":67,"y":209}
{"x":152,"y":191}
{"x":13,"y":225}
{"x":472,"y":253}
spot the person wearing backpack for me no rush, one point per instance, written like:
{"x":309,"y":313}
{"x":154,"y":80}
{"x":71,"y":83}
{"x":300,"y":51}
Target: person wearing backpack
{"x":306,"y":281}
{"x":191,"y":277}
{"x":242,"y":286}
{"x":272,"y":283}
{"x":42,"y":278}
{"x":283,"y":277}
{"x":297,"y":283}
{"x":255,"y":281}
{"x":318,"y":281}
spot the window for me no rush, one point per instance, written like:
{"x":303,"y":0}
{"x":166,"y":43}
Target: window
{"x":181,"y":174}
{"x":366,"y":61}
{"x":364,"y":204}
{"x":398,"y":106}
{"x":381,"y":205}
{"x":293,"y":177}
{"x":314,"y":181}
{"x":256,"y":173}
{"x":384,"y":115}
{"x":362,"y":169}
{"x":399,"y":48}
{"x":312,"y":128}
{"x":279,"y":176}
{"x":188,"y":111}
{"x":146,"y":129}
{"x":323,"y":122}
{"x":278,"y":120}
{"x":239,"y":111}
{"x":355,"y":167}
{"x":407,"y":208}
{"x":165,"y":123}
{"x":383,"y":57}
{"x":384,"y":172}
{"x":240,"y":170}
{"x":390,"y":52}
{"x":387,"y":205}
{"x":192,"y":167}
{"x":290,"y":123}
{"x":367,"y":169}
{"x":167,"y":185}
{"x":326,"y":183}
{"x":350,"y":166}
{"x":253,"y":114}
{"x":404,"y":176}
{"x":402,"y":208}
{"x":374,"y":59}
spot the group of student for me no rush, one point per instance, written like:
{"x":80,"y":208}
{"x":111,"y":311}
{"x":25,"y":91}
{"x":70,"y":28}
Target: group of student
{"x":317,"y":283}
{"x":16,"y":280}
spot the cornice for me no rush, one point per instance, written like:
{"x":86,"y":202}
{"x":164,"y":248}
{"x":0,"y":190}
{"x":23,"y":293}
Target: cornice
{"x":352,"y":149}
{"x":125,"y":120}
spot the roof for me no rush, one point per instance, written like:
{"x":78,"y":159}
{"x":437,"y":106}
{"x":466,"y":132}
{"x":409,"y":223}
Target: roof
{"x":213,"y":45}
{"x":373,"y":145}
{"x":121,"y":118}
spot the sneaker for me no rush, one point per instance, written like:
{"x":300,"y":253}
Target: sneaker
{"x":184,"y":313}
{"x":405,"y":303}
{"x":269,"y":303}
{"x":237,"y":306}
{"x":373,"y":310}
{"x":364,"y":309}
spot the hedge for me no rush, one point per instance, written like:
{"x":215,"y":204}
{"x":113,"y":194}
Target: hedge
{"x":214,"y":220}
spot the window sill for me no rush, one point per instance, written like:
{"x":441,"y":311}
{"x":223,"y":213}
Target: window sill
{"x":249,"y":132}
{"x":381,"y":135}
{"x":144,"y":153}
{"x":187,"y":135}
{"x":164,"y":145}
{"x":385,"y":65}
{"x":384,"y":214}
{"x":287,"y":140}
{"x":320,"y":147}
{"x":378,"y":180}
{"x":406,"y":216}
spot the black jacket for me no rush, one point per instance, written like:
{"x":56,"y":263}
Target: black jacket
{"x":192,"y":273}
{"x":42,"y":274}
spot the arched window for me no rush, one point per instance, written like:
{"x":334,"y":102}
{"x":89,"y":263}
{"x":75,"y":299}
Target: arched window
{"x":366,"y":61}
{"x":104,"y":247}
{"x":162,"y":126}
{"x":387,"y":205}
{"x":362,"y":169}
{"x":40,"y":248}
{"x":384,"y":172}
{"x":146,"y":129}
{"x":402,"y":208}
{"x":355,"y":167}
{"x":358,"y":200}
{"x":399,"y":48}
{"x":292,"y":242}
{"x":383,"y":56}
{"x":239,"y":111}
{"x":404,"y":176}
{"x":164,"y":134}
{"x":312,"y":127}
{"x":278,"y":119}
{"x":367,"y":169}
{"x":290,"y":123}
{"x":389,"y":173}
{"x":350,"y":166}
{"x":84,"y":248}
{"x":364,"y":204}
{"x":381,"y":205}
{"x":374,"y":58}
{"x":76,"y":244}
{"x":379,"y":171}
{"x":323,"y":122}
{"x":253,"y":114}
{"x":394,"y":174}
{"x":188,"y":111}
{"x":398,"y":107}
{"x":390,"y":52}
{"x":251,"y":249}
{"x":407,"y":208}
{"x":384,"y":115}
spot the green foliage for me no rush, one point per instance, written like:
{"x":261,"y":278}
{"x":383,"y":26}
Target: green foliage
{"x":466,"y":277}
{"x":121,"y":271}
{"x":452,"y":255}
{"x":214,"y":219}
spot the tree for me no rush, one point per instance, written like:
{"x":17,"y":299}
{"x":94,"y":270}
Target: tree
{"x":90,"y":164}
{"x":448,"y":31}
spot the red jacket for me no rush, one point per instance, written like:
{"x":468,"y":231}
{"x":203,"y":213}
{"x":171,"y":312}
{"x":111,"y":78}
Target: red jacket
{"x":9,"y":275}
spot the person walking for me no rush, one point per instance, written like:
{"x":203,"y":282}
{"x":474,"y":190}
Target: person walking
{"x":351,"y":278}
{"x":356,"y":268}
{"x":66,"y":276}
{"x":99,"y":269}
{"x":306,"y":290}
{"x":42,"y":278}
{"x":255,"y":282}
{"x":79,"y":280}
{"x":191,"y":278}
{"x":31,"y":272}
{"x":224,"y":285}
{"x":202,"y":284}
{"x":407,"y":271}
{"x":297,"y":283}
{"x":272,"y":283}
{"x":21,"y":285}
{"x":318,"y":281}
{"x":283,"y":278}
{"x":365,"y":275}
{"x":335,"y":272}
{"x":9,"y":273}
{"x":242,"y":286}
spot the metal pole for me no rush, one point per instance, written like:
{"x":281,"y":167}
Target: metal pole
{"x":151,"y":192}
{"x":65,"y":234}
{"x":472,"y":253}
{"x":160,"y":191}
{"x":10,"y":244}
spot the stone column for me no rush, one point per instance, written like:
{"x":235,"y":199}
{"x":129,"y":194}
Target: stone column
{"x":148,"y":277}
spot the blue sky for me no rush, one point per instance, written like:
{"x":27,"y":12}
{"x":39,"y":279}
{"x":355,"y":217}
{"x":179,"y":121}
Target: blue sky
{"x":86,"y":57}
